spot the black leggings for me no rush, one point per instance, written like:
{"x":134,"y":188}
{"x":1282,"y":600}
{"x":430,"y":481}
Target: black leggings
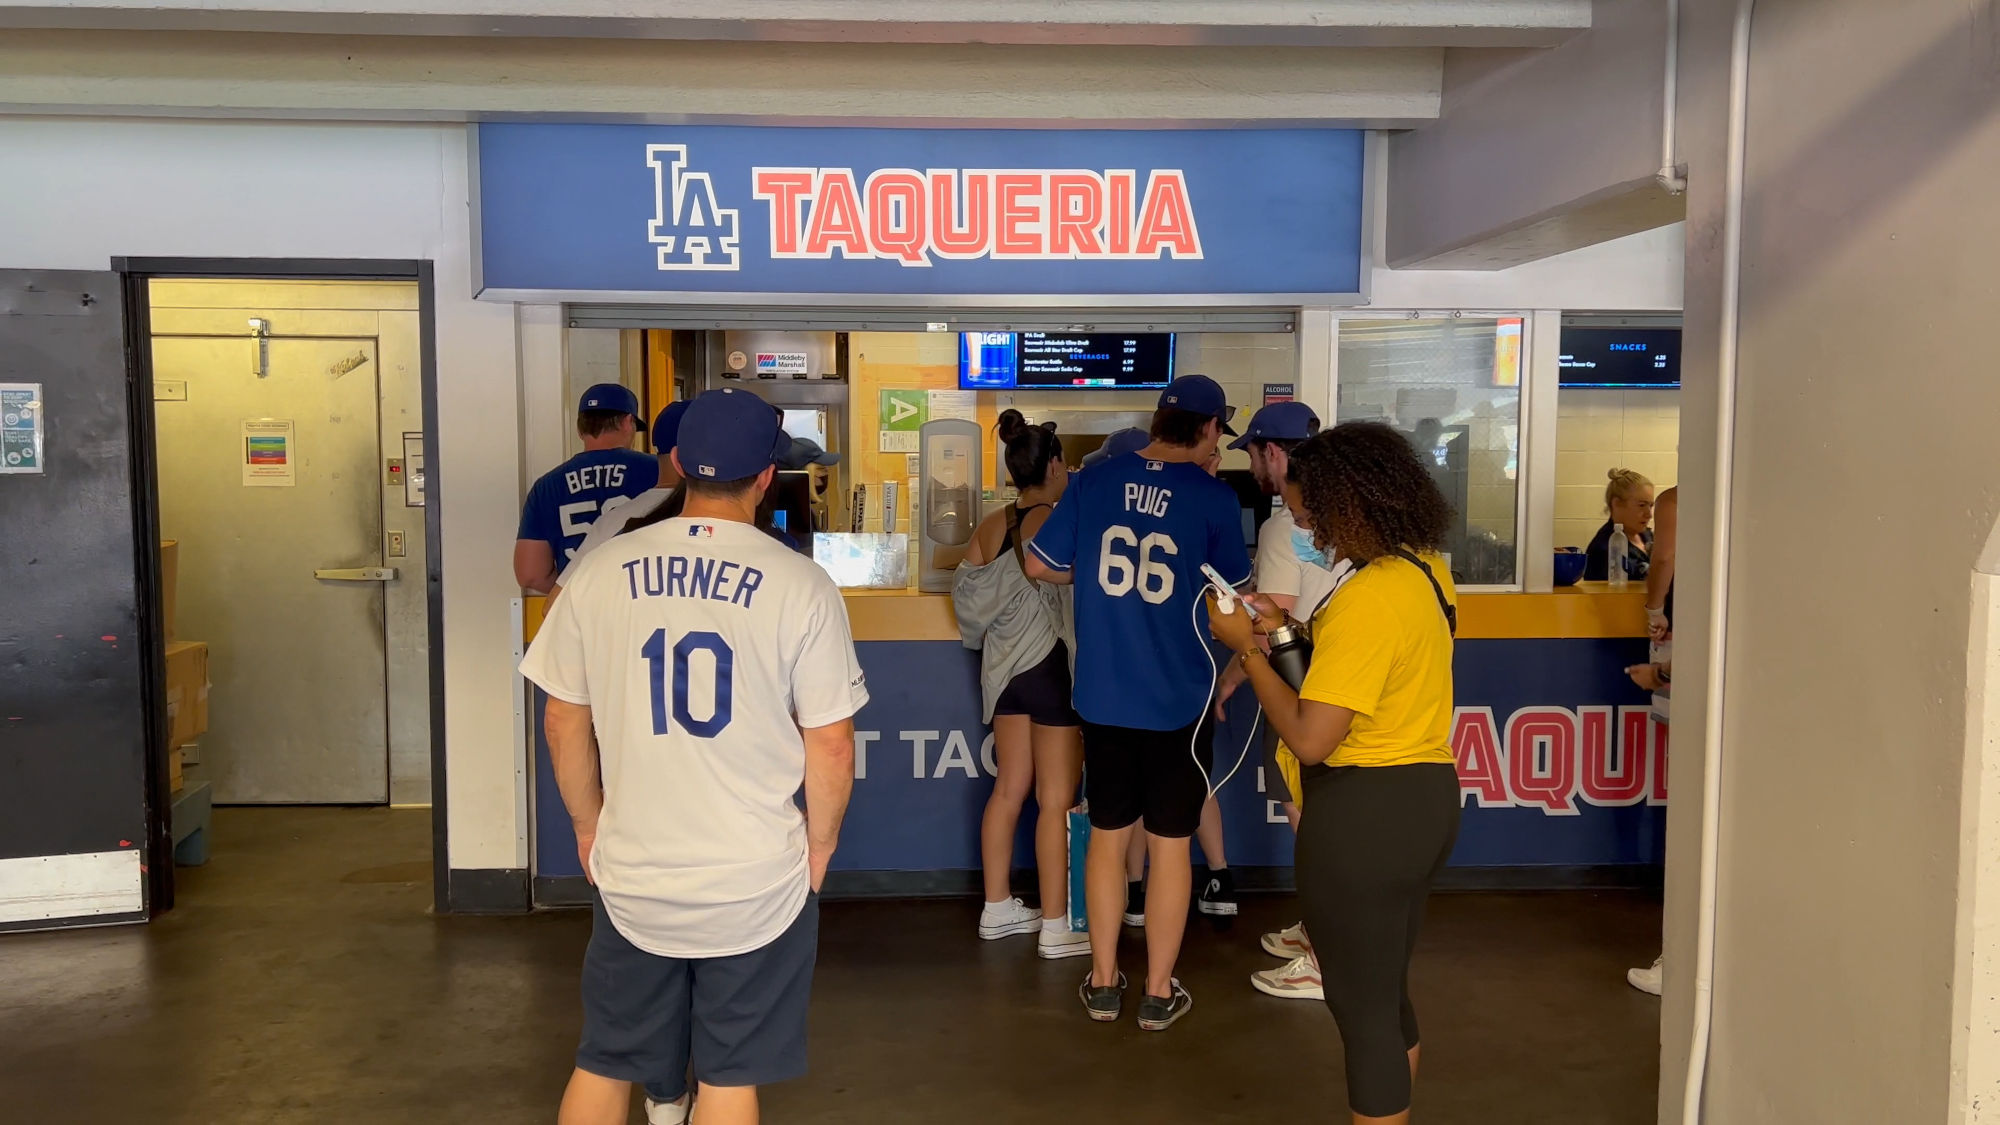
{"x":1371,"y":840}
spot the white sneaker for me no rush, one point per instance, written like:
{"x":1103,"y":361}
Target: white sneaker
{"x":1005,"y":919}
{"x":667,"y":1113}
{"x":1646,"y":979}
{"x":1298,"y":979}
{"x":1055,"y":947}
{"x":1289,"y":942}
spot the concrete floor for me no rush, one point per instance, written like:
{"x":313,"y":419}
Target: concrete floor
{"x":302,"y":980}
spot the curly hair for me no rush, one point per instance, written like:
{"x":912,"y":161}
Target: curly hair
{"x":1368,"y":492}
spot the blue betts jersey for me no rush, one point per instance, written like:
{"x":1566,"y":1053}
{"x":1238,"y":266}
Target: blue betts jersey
{"x":1135,"y":533}
{"x":568,"y":498}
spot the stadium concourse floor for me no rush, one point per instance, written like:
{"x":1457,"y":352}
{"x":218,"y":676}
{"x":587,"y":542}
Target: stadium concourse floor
{"x":302,"y":979}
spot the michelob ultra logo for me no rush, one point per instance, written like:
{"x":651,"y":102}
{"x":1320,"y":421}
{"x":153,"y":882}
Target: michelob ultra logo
{"x":919,"y":216}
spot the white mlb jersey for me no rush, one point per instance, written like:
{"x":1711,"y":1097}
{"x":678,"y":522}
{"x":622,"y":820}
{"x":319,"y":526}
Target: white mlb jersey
{"x":701,"y":647}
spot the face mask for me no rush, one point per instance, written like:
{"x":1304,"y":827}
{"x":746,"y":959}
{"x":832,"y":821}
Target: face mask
{"x":1308,"y":551}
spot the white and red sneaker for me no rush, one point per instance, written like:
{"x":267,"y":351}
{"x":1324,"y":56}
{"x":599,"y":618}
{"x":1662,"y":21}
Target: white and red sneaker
{"x":1289,"y":942}
{"x":1298,"y":979}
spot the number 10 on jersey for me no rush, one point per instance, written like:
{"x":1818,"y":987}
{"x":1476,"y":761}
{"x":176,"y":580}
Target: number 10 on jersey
{"x":1126,"y":563}
{"x":659,"y":657}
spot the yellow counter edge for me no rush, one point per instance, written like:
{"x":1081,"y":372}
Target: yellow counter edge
{"x":1579,"y":612}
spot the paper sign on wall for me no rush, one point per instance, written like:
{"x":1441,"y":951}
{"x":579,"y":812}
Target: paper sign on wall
{"x":270,"y":453}
{"x":1279,"y":392}
{"x":20,"y":427}
{"x":955,"y":404}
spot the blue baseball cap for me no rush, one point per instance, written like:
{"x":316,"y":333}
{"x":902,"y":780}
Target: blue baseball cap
{"x":1279,"y":421}
{"x":730,"y":434}
{"x":611,"y":396}
{"x":1128,"y":440}
{"x":667,"y":426}
{"x":1199,"y":394}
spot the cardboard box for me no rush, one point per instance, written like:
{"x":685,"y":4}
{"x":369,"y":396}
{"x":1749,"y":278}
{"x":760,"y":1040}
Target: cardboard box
{"x":174,"y":769}
{"x":170,"y":582}
{"x":187,"y":691}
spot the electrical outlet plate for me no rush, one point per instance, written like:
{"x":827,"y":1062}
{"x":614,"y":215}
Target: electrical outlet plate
{"x":190,"y":753}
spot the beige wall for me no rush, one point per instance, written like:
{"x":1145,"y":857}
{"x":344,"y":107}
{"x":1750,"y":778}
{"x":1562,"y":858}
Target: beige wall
{"x":1599,"y":429}
{"x":1865,"y":485}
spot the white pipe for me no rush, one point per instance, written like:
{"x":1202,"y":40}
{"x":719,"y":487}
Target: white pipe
{"x":1718,"y":604}
{"x":1670,"y":172}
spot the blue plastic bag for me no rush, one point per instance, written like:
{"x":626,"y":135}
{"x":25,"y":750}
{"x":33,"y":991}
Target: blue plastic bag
{"x":1079,"y":848}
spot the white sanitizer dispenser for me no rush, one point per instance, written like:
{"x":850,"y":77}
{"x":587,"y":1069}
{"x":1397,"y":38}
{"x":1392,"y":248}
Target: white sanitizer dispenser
{"x":948,"y":491}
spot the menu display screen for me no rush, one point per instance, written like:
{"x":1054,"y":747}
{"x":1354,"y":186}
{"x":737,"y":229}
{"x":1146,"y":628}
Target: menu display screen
{"x":1621,"y":357}
{"x":1065,"y":360}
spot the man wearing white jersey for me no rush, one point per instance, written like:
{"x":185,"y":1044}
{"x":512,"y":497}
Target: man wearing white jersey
{"x":717,"y":673}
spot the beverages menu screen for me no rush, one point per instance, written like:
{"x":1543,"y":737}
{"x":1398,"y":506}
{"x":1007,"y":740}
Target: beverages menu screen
{"x":1065,"y":360}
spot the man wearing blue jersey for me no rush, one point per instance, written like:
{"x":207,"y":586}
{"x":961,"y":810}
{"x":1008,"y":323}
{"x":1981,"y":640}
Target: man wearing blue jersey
{"x":1132,"y":534}
{"x":568,"y":498}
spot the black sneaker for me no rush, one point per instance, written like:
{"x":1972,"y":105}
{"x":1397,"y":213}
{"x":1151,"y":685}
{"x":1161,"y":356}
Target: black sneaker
{"x":1218,"y":895}
{"x":1102,"y":1004}
{"x":1135,"y":903}
{"x":1158,"y":1013}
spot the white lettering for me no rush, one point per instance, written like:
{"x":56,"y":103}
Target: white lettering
{"x":918,"y":739}
{"x":957,"y":755}
{"x":861,"y":740}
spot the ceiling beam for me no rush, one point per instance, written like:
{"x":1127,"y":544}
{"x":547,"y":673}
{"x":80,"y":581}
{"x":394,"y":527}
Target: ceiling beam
{"x":1344,"y":23}
{"x":429,"y":78}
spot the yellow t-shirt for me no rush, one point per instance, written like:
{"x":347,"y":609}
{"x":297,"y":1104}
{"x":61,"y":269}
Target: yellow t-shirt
{"x":1382,"y":649}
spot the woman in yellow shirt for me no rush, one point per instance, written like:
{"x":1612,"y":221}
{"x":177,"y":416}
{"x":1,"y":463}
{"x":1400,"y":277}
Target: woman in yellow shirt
{"x":1372,"y":727}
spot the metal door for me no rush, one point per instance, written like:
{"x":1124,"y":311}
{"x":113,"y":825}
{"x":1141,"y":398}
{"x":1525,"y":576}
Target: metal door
{"x":74,"y":722}
{"x":269,"y":455}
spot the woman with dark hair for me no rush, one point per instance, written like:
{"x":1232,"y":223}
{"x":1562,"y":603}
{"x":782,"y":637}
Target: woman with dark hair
{"x":1019,"y":626}
{"x":1371,"y":725}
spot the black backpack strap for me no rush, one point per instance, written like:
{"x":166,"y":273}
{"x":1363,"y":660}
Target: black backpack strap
{"x":1450,"y":610}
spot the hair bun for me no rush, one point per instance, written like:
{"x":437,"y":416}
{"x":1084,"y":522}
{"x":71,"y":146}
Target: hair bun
{"x":1012,"y":422}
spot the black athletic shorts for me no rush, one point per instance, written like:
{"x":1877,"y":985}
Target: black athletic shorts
{"x":1041,"y":693}
{"x":1131,"y":774}
{"x":735,"y":1021}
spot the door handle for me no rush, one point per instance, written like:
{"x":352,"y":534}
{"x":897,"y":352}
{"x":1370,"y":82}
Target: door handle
{"x":358,"y":574}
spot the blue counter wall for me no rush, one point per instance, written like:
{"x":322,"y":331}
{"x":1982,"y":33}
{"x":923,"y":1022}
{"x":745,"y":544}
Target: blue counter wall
{"x":1561,"y":765}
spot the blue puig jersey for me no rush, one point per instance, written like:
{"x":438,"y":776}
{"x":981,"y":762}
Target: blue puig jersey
{"x":569,"y":498}
{"x":1135,"y":533}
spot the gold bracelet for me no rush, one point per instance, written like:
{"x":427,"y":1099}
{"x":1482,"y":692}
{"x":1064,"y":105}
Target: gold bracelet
{"x":1243,"y":657}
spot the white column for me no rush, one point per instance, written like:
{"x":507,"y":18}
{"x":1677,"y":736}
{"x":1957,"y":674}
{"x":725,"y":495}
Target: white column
{"x":1319,"y":356}
{"x":1537,"y":484}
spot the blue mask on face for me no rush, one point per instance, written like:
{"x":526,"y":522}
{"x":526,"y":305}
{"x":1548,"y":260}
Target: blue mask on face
{"x":1308,"y":551}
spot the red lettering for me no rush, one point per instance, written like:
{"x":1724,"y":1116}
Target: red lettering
{"x":836,"y":218}
{"x":1118,"y":224}
{"x":787,"y":189}
{"x":1659,"y":794}
{"x":959,"y":218}
{"x":1541,"y":758}
{"x":1076,"y":210}
{"x":896,"y":215}
{"x":1614,"y":775}
{"x":1167,"y":219}
{"x":1017,"y":223}
{"x":1476,"y":742}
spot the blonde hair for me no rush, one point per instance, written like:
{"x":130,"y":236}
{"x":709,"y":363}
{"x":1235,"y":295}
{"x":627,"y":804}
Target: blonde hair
{"x":1624,"y":482}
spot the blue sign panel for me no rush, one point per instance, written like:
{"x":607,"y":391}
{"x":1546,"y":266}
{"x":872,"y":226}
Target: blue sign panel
{"x":920,"y":212}
{"x":1559,"y":762}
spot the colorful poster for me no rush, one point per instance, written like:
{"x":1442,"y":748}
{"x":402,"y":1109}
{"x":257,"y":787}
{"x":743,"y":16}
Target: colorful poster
{"x":20,"y":427}
{"x":270,"y":453}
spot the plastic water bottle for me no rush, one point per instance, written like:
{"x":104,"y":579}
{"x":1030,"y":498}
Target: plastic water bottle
{"x":1621,"y":546}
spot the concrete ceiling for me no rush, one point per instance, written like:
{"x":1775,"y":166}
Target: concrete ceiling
{"x":1348,"y":23}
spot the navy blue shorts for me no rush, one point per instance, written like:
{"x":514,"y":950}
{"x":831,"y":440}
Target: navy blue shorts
{"x":733,"y":1021}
